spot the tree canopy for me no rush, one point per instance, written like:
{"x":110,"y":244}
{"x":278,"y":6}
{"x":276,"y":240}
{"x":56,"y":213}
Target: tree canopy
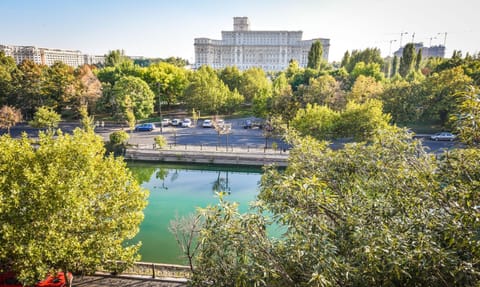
{"x":64,"y":206}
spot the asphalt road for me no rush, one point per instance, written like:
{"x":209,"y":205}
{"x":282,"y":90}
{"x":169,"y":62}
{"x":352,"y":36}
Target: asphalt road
{"x":238,"y":136}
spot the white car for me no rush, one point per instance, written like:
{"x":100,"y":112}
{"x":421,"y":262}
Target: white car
{"x":207,"y":124}
{"x":443,"y":136}
{"x":176,"y":122}
{"x":186,"y":123}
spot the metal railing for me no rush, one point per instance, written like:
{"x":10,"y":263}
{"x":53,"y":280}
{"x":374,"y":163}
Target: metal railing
{"x":153,"y":270}
{"x":213,"y":148}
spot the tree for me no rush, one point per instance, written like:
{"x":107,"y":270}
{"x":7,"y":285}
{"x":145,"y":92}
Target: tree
{"x":232,"y":77}
{"x":345,"y":59}
{"x":76,"y":209}
{"x":466,"y":120}
{"x":9,"y":117}
{"x":380,"y":213}
{"x":89,"y":88}
{"x":166,"y":80}
{"x":394,"y":67}
{"x":28,"y":87}
{"x":206,"y":92}
{"x":133,"y":97}
{"x":369,"y":70}
{"x":369,"y":55}
{"x":316,"y":121}
{"x":116,"y":58}
{"x":365,"y":88}
{"x":45,"y":117}
{"x":324,"y":90}
{"x":59,"y":86}
{"x":315,"y":55}
{"x":418,"y":60}
{"x":362,"y":121}
{"x":8,"y":68}
{"x":407,"y":60}
{"x":254,"y":83}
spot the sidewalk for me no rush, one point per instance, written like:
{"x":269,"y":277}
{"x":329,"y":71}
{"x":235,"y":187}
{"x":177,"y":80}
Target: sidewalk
{"x":105,"y":280}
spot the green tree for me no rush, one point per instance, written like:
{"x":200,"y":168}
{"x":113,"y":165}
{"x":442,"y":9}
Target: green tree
{"x":418,"y":60}
{"x":59,"y":86}
{"x":362,"y":121}
{"x":324,"y":90}
{"x":8,"y":68}
{"x":345,"y":59}
{"x":116,"y":57}
{"x":45,"y":117}
{"x":167,"y":80}
{"x":394,"y":70}
{"x":316,"y":121}
{"x":315,"y":55}
{"x":365,"y":88}
{"x":28,"y":83}
{"x":206,"y":92}
{"x":254,"y":84}
{"x":9,"y":117}
{"x":76,"y":209}
{"x":369,"y":70}
{"x":379,"y":213}
{"x":133,"y":95}
{"x":368,"y":56}
{"x":466,"y":120}
{"x":407,"y":60}
{"x":232,"y":77}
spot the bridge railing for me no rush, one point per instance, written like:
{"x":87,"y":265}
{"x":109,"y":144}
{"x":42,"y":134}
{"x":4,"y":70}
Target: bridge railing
{"x":154,"y":270}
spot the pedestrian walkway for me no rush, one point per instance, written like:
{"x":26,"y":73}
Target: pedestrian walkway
{"x":131,"y":281}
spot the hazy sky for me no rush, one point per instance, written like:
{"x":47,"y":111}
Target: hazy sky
{"x":164,"y":28}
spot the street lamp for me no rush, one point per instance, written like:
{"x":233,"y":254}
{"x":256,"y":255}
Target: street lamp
{"x":401,"y":37}
{"x":160,"y":107}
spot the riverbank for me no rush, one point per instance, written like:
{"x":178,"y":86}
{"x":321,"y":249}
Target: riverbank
{"x":209,"y":155}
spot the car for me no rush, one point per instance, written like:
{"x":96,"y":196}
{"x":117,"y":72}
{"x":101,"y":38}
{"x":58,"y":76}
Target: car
{"x":207,"y":124}
{"x":186,"y":123}
{"x":166,"y":122}
{"x":148,"y":127}
{"x":248,"y":124}
{"x":443,"y":136}
{"x":176,"y":122}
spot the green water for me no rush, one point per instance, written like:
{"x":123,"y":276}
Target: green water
{"x":176,"y":189}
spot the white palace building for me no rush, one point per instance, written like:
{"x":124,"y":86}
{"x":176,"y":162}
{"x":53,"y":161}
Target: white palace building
{"x":243,"y":48}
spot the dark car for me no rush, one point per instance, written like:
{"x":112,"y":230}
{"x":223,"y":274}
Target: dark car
{"x":145,"y":127}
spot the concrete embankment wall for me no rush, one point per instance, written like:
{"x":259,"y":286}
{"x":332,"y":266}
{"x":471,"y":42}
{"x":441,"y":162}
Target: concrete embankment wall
{"x":230,"y":158}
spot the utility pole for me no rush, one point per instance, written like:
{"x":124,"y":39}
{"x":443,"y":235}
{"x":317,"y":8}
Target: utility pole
{"x":444,"y":39}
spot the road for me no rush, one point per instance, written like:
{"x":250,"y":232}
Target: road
{"x":239,"y":137}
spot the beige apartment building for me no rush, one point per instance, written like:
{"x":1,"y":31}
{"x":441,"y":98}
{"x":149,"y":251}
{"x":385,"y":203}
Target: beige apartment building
{"x":45,"y":56}
{"x":243,"y":48}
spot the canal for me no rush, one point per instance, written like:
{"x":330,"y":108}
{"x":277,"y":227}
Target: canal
{"x":179,"y":190}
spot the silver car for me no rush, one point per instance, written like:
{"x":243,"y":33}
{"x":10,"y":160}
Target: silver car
{"x":443,"y":136}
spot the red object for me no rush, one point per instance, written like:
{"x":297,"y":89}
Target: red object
{"x":8,"y":279}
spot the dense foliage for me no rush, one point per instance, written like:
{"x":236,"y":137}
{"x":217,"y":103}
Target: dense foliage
{"x":64,"y":206}
{"x":384,"y":213}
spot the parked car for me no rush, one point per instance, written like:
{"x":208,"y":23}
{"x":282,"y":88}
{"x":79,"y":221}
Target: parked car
{"x":248,"y":124}
{"x":166,"y":122}
{"x":148,"y":127}
{"x":207,"y":124}
{"x":8,"y":279}
{"x":186,"y":123}
{"x":176,"y":122}
{"x":443,"y":136}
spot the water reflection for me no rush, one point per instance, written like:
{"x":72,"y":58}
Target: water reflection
{"x":180,"y":190}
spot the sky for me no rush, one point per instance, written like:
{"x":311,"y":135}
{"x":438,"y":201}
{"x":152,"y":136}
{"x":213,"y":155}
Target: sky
{"x":165,"y":28}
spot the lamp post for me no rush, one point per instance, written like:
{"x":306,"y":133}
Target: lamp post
{"x":401,"y":37}
{"x":390,"y":58}
{"x":160,"y":108}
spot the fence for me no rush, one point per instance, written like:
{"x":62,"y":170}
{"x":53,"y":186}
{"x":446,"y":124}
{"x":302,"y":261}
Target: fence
{"x":154,"y":270}
{"x":214,"y":148}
